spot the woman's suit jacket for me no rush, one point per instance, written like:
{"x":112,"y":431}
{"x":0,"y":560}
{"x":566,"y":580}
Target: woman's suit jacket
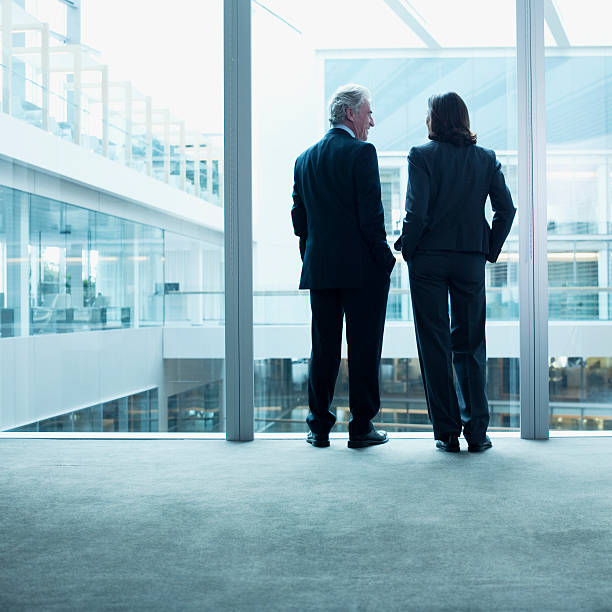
{"x":445,"y":201}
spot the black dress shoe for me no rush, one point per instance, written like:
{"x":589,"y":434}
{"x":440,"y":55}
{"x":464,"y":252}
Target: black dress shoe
{"x":482,"y":446}
{"x":373,"y":437}
{"x":317,"y":440}
{"x":450,"y":446}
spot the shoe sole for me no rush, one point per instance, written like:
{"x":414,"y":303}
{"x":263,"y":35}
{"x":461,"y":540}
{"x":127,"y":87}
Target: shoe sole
{"x":448,"y":450}
{"x":364,"y":443}
{"x":318,"y":443}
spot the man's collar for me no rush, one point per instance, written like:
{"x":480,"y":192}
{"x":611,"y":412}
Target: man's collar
{"x":344,"y":127}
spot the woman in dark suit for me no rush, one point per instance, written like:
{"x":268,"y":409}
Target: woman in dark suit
{"x":446,"y":241}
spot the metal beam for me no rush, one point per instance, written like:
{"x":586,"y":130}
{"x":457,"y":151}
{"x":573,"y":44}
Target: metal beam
{"x":551,"y":15}
{"x":404,"y":12}
{"x":238,"y":221}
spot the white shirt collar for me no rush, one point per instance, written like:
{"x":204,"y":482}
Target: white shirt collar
{"x":346,"y":128}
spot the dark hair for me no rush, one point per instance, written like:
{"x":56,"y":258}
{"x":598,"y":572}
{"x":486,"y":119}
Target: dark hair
{"x":449,"y":120}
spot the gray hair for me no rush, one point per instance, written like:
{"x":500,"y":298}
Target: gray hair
{"x":347,"y":96}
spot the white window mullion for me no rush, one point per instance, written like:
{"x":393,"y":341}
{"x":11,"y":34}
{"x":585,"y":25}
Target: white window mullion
{"x":238,"y":221}
{"x":533,"y":264}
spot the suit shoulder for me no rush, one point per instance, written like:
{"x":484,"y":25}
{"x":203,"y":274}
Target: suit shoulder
{"x":363,"y":150}
{"x":361,"y":146}
{"x":307,"y":153}
{"x":424,"y":150}
{"x":423,"y":155}
{"x":485,"y":153}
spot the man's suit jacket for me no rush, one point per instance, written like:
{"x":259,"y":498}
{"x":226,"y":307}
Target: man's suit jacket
{"x":337,"y":213}
{"x":447,"y":189}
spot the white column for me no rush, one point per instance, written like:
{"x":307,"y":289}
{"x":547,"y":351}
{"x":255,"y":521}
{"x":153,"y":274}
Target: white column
{"x":208,"y":182}
{"x":128,"y":123}
{"x":138,"y":239}
{"x":238,"y":221}
{"x":24,"y":262}
{"x":533,"y":266}
{"x":45,"y":69}
{"x":221,"y":174}
{"x":77,"y":94}
{"x":603,"y":279}
{"x":104,"y":94}
{"x":182,"y":159}
{"x":149,"y":133}
{"x":7,"y":54}
{"x":167,"y":146}
{"x":196,"y":164}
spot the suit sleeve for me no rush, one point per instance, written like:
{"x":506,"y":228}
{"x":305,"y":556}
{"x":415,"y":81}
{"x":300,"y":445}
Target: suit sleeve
{"x":503,"y":211}
{"x":417,"y":204}
{"x":298,"y":215}
{"x":370,"y":213}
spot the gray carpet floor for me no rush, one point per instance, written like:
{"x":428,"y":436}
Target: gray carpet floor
{"x":278,"y":525}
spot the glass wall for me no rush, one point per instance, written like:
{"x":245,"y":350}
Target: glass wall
{"x":64,"y":268}
{"x":402,"y":65}
{"x":90,"y":271}
{"x":579,"y":194}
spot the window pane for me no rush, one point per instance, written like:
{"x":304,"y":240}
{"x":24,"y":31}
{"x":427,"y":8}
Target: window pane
{"x":402,"y":64}
{"x":579,"y":200}
{"x":98,"y":243}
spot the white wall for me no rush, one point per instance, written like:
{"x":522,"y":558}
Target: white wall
{"x":42,"y":376}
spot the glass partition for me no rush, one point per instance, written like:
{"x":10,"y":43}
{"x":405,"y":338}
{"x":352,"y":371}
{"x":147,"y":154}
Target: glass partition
{"x":89,"y":270}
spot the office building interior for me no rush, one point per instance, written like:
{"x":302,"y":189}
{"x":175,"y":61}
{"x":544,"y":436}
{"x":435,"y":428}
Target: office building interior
{"x":154,"y":344}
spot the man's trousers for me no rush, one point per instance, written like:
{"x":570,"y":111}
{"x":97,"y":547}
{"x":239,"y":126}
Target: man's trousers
{"x":365,"y":310}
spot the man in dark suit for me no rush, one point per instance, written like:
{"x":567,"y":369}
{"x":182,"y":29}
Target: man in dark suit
{"x":338,"y":215}
{"x":446,"y":240}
